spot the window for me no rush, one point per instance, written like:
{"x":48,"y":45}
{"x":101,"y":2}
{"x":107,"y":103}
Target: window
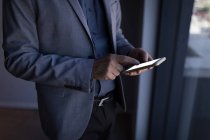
{"x":196,"y":102}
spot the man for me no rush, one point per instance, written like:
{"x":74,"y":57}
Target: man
{"x":74,"y":51}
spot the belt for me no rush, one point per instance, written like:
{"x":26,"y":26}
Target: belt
{"x":99,"y":101}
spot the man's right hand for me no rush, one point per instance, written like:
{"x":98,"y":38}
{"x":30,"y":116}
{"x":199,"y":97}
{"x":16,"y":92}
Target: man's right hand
{"x":109,"y":67}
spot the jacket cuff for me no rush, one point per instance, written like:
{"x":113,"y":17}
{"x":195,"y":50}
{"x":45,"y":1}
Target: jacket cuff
{"x":84,"y":80}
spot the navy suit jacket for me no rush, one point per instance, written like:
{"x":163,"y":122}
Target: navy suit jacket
{"x":49,"y":42}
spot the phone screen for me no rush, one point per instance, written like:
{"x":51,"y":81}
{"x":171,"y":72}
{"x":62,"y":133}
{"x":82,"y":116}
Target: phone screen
{"x":146,"y":64}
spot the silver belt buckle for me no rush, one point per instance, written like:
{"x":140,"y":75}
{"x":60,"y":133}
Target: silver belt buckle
{"x":102,"y":101}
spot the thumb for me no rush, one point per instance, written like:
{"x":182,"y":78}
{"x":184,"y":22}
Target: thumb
{"x":126,"y":60}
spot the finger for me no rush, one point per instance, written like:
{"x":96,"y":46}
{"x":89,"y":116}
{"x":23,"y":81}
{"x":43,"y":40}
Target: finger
{"x":142,"y":71}
{"x":151,"y":68}
{"x":111,"y":76}
{"x":115,"y":69}
{"x":119,"y":67}
{"x":150,"y":58}
{"x":144,"y":57}
{"x":134,"y":73}
{"x":126,"y":60}
{"x":137,"y":72}
{"x":128,"y":73}
{"x":115,"y":72}
{"x":131,"y":73}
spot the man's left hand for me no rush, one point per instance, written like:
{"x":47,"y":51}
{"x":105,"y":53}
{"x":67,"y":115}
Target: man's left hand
{"x":140,"y":55}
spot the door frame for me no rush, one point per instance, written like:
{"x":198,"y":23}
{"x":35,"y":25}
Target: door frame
{"x":167,"y":96}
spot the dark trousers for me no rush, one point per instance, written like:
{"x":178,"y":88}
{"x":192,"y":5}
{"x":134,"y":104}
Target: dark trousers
{"x":102,"y":122}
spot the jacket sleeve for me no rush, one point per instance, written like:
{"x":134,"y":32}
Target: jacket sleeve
{"x":23,"y":58}
{"x":123,"y":46}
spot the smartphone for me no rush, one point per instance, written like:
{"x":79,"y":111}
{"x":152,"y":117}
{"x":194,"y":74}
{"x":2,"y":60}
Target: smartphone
{"x":146,"y":65}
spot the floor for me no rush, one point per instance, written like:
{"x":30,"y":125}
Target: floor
{"x":18,"y":124}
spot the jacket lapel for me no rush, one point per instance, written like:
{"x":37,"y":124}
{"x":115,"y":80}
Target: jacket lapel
{"x":107,"y":6}
{"x":78,"y":10}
